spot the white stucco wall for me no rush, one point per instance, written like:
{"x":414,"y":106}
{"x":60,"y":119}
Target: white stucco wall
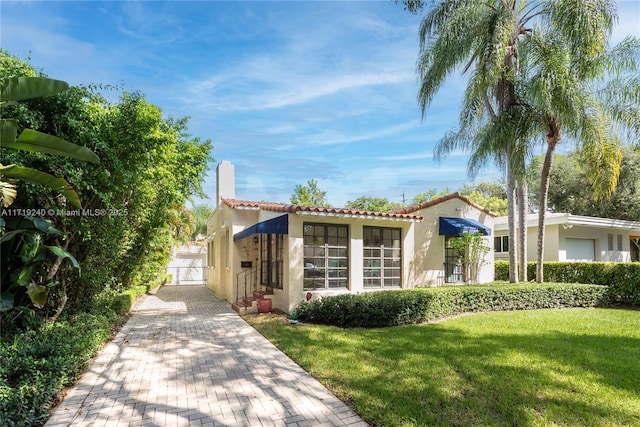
{"x":555,"y":242}
{"x":426,"y":267}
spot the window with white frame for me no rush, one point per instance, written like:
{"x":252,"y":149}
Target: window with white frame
{"x":501,"y":244}
{"x":610,"y":242}
{"x":619,"y":242}
{"x":326,"y":256}
{"x":382,"y":255}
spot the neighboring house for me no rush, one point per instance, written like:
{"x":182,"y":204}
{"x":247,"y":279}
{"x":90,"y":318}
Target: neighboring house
{"x":292,"y":250}
{"x":574,"y":238}
{"x":188,"y":265}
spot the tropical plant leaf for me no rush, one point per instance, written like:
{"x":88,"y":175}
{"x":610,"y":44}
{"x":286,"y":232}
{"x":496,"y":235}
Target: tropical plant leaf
{"x":38,"y":142}
{"x":21,"y":88}
{"x":8,"y":192}
{"x":10,"y":235}
{"x":44,"y":225}
{"x":8,"y":131}
{"x":38,"y":295}
{"x":25,"y":274}
{"x":6,"y":301}
{"x":29,"y":223}
{"x":58,"y":251}
{"x":32,"y":175}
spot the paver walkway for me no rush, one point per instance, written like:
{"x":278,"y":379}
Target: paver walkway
{"x":186,"y":358}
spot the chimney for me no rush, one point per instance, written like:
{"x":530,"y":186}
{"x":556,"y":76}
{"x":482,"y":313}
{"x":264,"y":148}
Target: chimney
{"x":225,"y":181}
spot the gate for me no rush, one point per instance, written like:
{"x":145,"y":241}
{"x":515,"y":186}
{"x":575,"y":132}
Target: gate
{"x":194,"y":276}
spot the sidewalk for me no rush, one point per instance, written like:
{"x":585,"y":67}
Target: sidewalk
{"x":186,"y":358}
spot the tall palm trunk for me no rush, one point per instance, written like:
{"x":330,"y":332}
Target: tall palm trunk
{"x":523,"y":204}
{"x":553,"y":137}
{"x":511,"y":220}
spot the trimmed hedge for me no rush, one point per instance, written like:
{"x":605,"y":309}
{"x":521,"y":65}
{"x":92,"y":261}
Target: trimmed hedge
{"x":622,"y":278}
{"x":402,"y":307}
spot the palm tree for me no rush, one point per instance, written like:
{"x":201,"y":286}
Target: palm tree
{"x":526,"y":78}
{"x":482,"y":37}
{"x":563,"y":87}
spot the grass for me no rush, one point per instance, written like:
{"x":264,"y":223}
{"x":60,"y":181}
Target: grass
{"x":575,"y":367}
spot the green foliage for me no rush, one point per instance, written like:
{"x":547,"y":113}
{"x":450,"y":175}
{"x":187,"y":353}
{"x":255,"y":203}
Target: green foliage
{"x":490,"y":195}
{"x":122,"y":302}
{"x":392,"y":308}
{"x":200,"y":214}
{"x":621,"y":279}
{"x":470,"y":249}
{"x":150,"y":164}
{"x":309,"y":195}
{"x":376,"y":204}
{"x":568,"y":192}
{"x":430,"y":194}
{"x":36,"y":365}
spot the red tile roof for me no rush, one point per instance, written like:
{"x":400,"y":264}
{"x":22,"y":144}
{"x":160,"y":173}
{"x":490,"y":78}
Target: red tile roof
{"x":429,"y":203}
{"x":402,"y":213}
{"x":281,"y":207}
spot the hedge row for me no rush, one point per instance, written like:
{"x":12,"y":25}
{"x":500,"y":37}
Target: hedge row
{"x":622,"y":278}
{"x":36,"y":365}
{"x":402,"y":307}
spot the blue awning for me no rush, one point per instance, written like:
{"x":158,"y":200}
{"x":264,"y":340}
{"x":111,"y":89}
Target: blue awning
{"x":278,"y":225}
{"x":459,"y":226}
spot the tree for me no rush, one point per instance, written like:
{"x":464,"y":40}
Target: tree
{"x":430,"y":194}
{"x":30,"y":273}
{"x":479,"y":37}
{"x":562,"y":89}
{"x":149,"y":165}
{"x":527,"y":61}
{"x":376,"y":204}
{"x":200,"y":214}
{"x":309,"y":195}
{"x":13,"y":90}
{"x":568,"y":192}
{"x":491,"y":195}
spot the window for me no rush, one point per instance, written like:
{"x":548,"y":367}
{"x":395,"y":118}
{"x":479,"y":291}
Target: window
{"x":326,"y":256}
{"x":610,"y":242}
{"x":501,"y":244}
{"x":619,"y":242}
{"x":382,"y":257}
{"x":227,"y":255}
{"x":211,"y":254}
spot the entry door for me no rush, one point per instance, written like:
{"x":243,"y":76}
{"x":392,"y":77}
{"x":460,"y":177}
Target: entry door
{"x":453,"y":268}
{"x":271,"y":260}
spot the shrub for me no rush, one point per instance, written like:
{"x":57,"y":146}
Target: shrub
{"x":36,"y":365}
{"x":622,"y":278}
{"x":392,"y":308}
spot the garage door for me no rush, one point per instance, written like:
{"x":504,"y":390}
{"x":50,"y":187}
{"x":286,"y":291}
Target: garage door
{"x":581,"y":250}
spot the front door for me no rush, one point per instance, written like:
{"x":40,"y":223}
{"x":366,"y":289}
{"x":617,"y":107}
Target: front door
{"x":271,"y":260}
{"x":453,"y":267}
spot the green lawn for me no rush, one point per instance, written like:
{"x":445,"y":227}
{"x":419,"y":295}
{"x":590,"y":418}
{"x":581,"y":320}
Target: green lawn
{"x":575,"y":367}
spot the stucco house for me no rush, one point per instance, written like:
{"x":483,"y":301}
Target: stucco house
{"x":574,"y":238}
{"x":289,"y":251}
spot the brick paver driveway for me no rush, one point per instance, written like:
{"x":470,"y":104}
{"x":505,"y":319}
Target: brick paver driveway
{"x":186,"y":359}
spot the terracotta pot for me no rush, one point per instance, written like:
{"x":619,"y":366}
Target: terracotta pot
{"x":264,"y":305}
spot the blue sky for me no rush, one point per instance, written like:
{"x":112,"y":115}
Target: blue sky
{"x":287,"y":91}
